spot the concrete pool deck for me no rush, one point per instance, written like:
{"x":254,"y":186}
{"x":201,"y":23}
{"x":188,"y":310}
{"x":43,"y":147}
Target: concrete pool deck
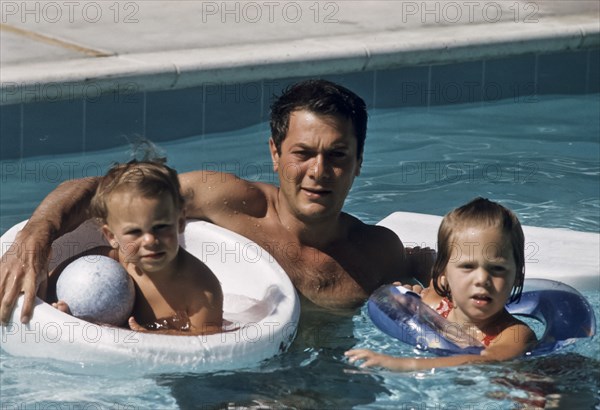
{"x":163,"y":45}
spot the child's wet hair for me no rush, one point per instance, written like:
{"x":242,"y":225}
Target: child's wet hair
{"x":149,"y":179}
{"x":480,"y":212}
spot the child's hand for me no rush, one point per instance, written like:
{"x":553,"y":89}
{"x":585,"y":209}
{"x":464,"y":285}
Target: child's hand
{"x":62,"y":306}
{"x":135,"y":326}
{"x":369,"y":357}
{"x":413,"y":288}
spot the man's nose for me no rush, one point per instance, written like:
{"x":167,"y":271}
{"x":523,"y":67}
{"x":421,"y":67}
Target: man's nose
{"x":320,"y":168}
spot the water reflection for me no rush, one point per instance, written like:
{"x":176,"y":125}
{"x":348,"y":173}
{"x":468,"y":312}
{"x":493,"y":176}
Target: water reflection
{"x":312,"y":374}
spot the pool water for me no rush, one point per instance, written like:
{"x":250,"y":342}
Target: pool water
{"x":541,"y":158}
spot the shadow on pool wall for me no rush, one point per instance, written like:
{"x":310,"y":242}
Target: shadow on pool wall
{"x":63,"y":124}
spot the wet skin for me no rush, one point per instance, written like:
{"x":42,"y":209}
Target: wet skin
{"x":332,"y":258}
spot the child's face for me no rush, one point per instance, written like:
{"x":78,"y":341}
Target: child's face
{"x":481,"y":273}
{"x":144,"y":229}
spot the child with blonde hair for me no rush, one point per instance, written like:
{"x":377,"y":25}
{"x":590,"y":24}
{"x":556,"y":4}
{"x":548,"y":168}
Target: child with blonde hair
{"x":141,"y":209}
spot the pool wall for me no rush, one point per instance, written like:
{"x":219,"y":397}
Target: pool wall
{"x":50,"y":121}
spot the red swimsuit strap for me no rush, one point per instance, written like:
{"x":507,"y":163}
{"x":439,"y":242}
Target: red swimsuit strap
{"x":488,"y":339}
{"x":444,"y":309}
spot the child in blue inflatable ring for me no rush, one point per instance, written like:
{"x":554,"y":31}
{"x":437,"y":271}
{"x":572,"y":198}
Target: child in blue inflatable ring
{"x":480,"y":266}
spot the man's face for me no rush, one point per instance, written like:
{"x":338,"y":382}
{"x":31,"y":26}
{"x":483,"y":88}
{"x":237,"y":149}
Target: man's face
{"x":317,"y":164}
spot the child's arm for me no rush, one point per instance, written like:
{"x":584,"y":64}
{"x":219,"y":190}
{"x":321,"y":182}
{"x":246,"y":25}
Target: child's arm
{"x":204,"y":300}
{"x":407,"y":364}
{"x":206,"y":320}
{"x":510,"y":343}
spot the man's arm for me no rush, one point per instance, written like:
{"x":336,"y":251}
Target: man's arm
{"x":420,"y":263}
{"x":390,"y":252}
{"x":213,"y":196}
{"x":25,"y":263}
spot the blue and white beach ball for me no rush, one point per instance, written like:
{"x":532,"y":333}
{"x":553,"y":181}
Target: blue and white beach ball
{"x":97,"y":289}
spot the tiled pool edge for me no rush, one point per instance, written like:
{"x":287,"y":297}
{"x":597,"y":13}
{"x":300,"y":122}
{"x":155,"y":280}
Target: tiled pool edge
{"x":304,"y":57}
{"x":79,"y":125}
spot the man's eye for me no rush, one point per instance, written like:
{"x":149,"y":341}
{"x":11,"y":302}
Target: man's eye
{"x":302,"y":154}
{"x":338,"y":154}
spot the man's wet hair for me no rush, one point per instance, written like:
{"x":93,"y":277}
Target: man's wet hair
{"x":320,"y":97}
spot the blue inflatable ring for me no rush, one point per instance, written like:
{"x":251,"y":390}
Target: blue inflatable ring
{"x":565,"y":313}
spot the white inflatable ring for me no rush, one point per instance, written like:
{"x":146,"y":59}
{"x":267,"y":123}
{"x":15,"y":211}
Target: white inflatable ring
{"x":248,"y":274}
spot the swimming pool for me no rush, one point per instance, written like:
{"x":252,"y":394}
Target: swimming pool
{"x":529,"y":155}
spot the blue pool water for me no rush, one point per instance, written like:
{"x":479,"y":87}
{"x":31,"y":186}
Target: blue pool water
{"x":541,"y":158}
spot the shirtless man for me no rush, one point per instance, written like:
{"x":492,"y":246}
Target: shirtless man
{"x":318,"y":131}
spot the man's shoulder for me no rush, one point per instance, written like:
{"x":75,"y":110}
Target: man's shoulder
{"x":213,"y":195}
{"x":376,"y":242}
{"x":220,"y":181}
{"x":375,"y":234}
{"x":253,"y":198}
{"x":380,"y":249}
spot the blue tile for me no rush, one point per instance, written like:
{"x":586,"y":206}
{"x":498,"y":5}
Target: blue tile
{"x":231,"y":106}
{"x":402,"y":87}
{"x":593,"y":84}
{"x":562,"y":73}
{"x":53,"y":127}
{"x":10,"y":131}
{"x":361,"y":83}
{"x":113,"y":119}
{"x":272,"y":89}
{"x":512,"y":77}
{"x":174,"y":114}
{"x":456,"y":83}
